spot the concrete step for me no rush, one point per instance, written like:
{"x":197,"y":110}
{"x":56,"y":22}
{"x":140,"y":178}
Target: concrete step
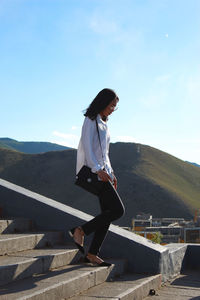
{"x":60,"y":283}
{"x":26,"y":263}
{"x":12,"y":243}
{"x":126,"y":287}
{"x":186,"y":286}
{"x":13,"y":225}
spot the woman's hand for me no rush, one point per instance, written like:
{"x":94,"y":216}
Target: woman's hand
{"x":115,"y":181}
{"x":103,"y":175}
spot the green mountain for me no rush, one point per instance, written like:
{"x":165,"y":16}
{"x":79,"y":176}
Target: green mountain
{"x":194,"y":164}
{"x":149,"y":180}
{"x":30,"y":147}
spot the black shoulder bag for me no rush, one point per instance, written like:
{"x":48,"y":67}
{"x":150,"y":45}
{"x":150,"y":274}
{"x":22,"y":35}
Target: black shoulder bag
{"x":88,"y":180}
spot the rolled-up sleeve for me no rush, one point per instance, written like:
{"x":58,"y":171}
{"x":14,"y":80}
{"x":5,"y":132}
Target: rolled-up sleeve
{"x":88,"y":131}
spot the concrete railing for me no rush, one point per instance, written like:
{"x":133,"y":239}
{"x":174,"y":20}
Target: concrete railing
{"x":143,"y":256}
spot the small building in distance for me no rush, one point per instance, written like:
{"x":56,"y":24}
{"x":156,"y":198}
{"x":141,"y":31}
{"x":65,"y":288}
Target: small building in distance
{"x":172,"y":230}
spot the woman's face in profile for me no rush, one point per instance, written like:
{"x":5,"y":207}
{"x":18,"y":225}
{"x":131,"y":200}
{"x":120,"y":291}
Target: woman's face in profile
{"x":110,"y":108}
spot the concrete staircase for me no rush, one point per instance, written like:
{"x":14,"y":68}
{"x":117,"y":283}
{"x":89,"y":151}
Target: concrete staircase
{"x":40,"y":266}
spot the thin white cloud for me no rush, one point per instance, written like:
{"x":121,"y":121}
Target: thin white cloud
{"x":188,"y":141}
{"x":166,"y":35}
{"x":154,"y":99}
{"x":62,"y":135}
{"x":157,"y":94}
{"x":189,"y":93}
{"x":65,"y":139}
{"x":124,"y":138}
{"x":193,"y":90}
{"x":101,"y":25}
{"x":126,"y":43}
{"x":163,"y":78}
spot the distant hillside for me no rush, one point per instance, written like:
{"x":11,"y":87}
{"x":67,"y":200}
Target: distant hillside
{"x":194,"y":164}
{"x":149,"y":180}
{"x":30,"y":147}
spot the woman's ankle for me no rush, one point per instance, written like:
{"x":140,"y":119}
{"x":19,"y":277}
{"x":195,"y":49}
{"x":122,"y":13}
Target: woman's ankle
{"x":91,"y":255}
{"x":94,"y":257}
{"x":80,"y":230}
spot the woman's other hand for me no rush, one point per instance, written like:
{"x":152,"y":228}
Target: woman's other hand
{"x":103,"y":175}
{"x":114,"y":181}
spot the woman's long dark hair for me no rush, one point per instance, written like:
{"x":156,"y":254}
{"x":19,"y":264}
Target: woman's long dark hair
{"x":100,"y":102}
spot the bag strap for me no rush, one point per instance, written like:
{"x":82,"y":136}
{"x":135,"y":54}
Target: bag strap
{"x":99,"y":141}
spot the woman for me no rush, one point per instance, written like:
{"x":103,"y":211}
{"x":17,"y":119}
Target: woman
{"x":93,"y":152}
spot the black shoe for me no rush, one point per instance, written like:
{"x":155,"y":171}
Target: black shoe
{"x":71,"y":233}
{"x":103,"y":264}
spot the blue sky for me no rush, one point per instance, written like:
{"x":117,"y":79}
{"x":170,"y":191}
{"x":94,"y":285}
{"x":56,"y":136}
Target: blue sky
{"x":56,"y":55}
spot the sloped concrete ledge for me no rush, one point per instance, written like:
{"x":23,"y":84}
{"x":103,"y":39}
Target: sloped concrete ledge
{"x":143,"y":256}
{"x":175,"y":260}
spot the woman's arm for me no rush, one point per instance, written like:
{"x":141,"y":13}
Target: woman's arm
{"x":114,"y":180}
{"x":88,"y":132}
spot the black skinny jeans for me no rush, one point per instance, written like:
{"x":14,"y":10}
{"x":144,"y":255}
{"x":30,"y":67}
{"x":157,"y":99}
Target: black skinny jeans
{"x":112,"y":208}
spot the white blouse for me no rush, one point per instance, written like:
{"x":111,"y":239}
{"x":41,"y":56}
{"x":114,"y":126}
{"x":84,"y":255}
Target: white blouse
{"x":89,"y":151}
